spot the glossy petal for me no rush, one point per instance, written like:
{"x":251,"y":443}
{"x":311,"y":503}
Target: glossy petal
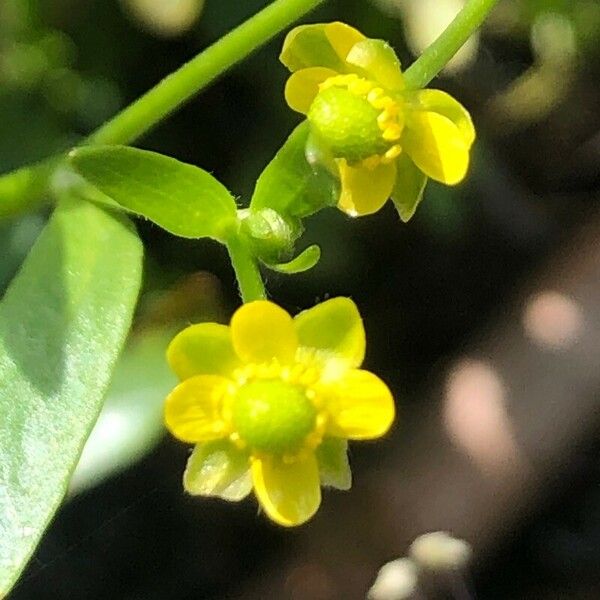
{"x":303,"y":85}
{"x":218,"y":469}
{"x":365,"y":190}
{"x":290,"y":493}
{"x":319,"y":45}
{"x":193,"y":409}
{"x":333,"y":327}
{"x":379,"y":61}
{"x":361,"y":407}
{"x":444,"y":104}
{"x":436,"y":146}
{"x":334,"y":468}
{"x":262,"y":331}
{"x":409,"y":187}
{"x":200,"y":349}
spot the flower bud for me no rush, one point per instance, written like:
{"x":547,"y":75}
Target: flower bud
{"x":271,"y":235}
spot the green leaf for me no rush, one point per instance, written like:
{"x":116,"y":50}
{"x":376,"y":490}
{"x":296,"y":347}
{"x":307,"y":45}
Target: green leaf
{"x":63,"y":321}
{"x":306,"y":260}
{"x":131,"y":421}
{"x":290,"y":185}
{"x":24,"y":189}
{"x":409,"y":187}
{"x":181,"y":198}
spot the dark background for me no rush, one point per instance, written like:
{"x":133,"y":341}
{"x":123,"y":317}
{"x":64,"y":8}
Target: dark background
{"x":445,"y":286}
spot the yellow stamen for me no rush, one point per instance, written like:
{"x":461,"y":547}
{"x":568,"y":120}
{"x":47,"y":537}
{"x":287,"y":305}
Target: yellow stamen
{"x":393,"y":153}
{"x":371,"y":161}
{"x":392,"y":132}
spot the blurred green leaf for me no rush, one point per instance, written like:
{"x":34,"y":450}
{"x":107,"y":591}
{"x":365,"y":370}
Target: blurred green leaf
{"x":181,"y":198}
{"x":131,"y":421}
{"x":63,"y":321}
{"x":292,"y":186}
{"x":306,"y":260}
{"x":24,"y":189}
{"x":16,"y":239}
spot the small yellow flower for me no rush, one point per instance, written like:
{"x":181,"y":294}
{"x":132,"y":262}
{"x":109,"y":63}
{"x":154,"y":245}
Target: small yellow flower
{"x":383,"y":139}
{"x":271,"y":400}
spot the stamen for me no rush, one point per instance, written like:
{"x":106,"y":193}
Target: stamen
{"x":374,"y":95}
{"x":393,"y":153}
{"x":237,"y":441}
{"x":371,"y":162}
{"x":392,"y":133}
{"x":360,"y":87}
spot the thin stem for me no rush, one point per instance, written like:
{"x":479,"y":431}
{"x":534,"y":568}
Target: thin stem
{"x":246,"y":270}
{"x":181,"y":85}
{"x":438,"y":54}
{"x":24,"y":189}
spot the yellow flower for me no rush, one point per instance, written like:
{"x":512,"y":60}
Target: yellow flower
{"x":383,"y":139}
{"x":271,"y":400}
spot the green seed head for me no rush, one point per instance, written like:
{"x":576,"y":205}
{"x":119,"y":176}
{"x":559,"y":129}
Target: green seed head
{"x":273,"y":416}
{"x":347,"y":123}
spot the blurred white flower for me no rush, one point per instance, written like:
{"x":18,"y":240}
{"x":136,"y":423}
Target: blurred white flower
{"x":439,"y":551}
{"x":165,"y":18}
{"x":396,"y":580}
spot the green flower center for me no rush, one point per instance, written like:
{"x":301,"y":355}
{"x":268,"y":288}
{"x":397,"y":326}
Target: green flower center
{"x":356,"y":119}
{"x":272,"y":415}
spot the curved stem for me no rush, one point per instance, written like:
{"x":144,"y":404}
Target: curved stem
{"x":181,"y":85}
{"x":246,"y":270}
{"x":437,"y":55}
{"x":18,"y":190}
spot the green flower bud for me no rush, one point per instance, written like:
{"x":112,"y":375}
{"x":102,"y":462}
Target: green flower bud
{"x":273,"y":416}
{"x":272,"y":236}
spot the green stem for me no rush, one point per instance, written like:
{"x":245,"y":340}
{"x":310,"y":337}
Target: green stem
{"x":18,"y":190}
{"x":246,"y":270}
{"x":438,"y":54}
{"x":181,"y":85}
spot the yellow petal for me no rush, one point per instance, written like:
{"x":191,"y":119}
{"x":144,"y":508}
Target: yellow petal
{"x":290,"y":493}
{"x":302,"y":87}
{"x":379,"y":60}
{"x":361,"y":407}
{"x":334,"y":328}
{"x":319,"y":45}
{"x":342,"y":37}
{"x":218,"y":469}
{"x":444,"y":104}
{"x":365,"y":190}
{"x":262,"y":331}
{"x":436,"y":146}
{"x":193,"y":409}
{"x":204,"y":348}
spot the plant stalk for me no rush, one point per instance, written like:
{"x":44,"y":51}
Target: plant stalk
{"x":450,"y":41}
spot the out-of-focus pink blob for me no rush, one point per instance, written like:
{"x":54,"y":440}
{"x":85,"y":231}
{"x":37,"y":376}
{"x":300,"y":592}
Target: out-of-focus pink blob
{"x":476,"y":419}
{"x":553,"y":320}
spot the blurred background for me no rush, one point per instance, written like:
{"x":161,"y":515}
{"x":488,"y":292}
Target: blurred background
{"x":482,"y":314}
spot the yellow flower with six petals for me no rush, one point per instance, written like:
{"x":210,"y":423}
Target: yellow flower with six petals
{"x":382,"y":139}
{"x":270,"y":401}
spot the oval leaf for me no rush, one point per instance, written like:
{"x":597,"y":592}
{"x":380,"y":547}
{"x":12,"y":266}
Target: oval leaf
{"x":181,"y":198}
{"x":290,"y":185}
{"x":63,"y":321}
{"x":306,"y":260}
